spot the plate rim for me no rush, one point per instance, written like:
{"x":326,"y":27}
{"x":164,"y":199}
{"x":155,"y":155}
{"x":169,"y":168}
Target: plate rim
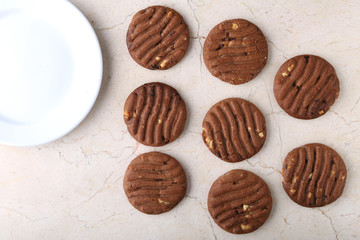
{"x":19,"y":142}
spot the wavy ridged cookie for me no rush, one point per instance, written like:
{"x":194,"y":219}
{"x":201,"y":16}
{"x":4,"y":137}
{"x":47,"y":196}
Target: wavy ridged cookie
{"x":158,"y":37}
{"x":234,"y":129}
{"x":239,"y":201}
{"x":155,"y":114}
{"x":155,"y":183}
{"x":235,"y":51}
{"x":314,"y":175}
{"x":306,"y":86}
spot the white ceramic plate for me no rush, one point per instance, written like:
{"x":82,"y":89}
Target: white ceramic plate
{"x":50,"y":70}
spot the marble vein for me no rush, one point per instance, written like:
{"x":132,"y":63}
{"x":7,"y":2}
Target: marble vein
{"x":331,"y":222}
{"x":198,"y":200}
{"x":277,"y":48}
{"x":263,"y":165}
{"x":251,"y":11}
{"x":274,"y":118}
{"x":355,"y":105}
{"x":198,"y":37}
{"x":113,"y":27}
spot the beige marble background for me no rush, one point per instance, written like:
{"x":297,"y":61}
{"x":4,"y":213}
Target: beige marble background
{"x":72,"y":188}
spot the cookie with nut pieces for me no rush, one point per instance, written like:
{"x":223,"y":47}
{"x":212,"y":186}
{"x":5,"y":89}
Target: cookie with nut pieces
{"x":314,"y":175}
{"x":155,"y":114}
{"x":155,"y":183}
{"x":306,"y":86}
{"x":239,"y":201}
{"x":234,"y":129}
{"x":235,"y":51}
{"x":158,"y":37}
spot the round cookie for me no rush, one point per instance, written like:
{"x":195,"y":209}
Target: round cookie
{"x":314,"y":175}
{"x":155,"y":183}
{"x":306,"y":86}
{"x":235,"y":51}
{"x":239,"y":201}
{"x":155,"y":114}
{"x":158,"y":37}
{"x":234,"y":129}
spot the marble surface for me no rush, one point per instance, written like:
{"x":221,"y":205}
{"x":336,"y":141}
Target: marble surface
{"x":72,"y":188}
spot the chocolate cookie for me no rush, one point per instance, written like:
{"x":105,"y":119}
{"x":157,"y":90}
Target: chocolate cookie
{"x":239,"y":201}
{"x":314,"y":175}
{"x":155,"y":183}
{"x":306,"y":86}
{"x":158,"y":37}
{"x":235,"y":51}
{"x":234,"y":129}
{"x":155,"y":114}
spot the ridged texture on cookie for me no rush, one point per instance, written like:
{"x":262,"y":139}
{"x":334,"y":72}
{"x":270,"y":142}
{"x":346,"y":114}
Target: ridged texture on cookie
{"x":306,"y":86}
{"x":314,"y":175}
{"x":235,"y":51}
{"x":155,"y":114}
{"x":234,"y":129}
{"x":155,"y":183}
{"x":158,"y":37}
{"x":239,"y":201}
